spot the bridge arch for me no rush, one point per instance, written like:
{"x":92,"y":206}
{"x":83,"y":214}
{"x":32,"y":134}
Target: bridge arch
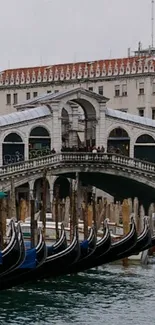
{"x":39,"y":142}
{"x":63,"y":185}
{"x":91,"y":112}
{"x":38,"y":193}
{"x":118,"y":141}
{"x":144,"y":147}
{"x":12,"y":148}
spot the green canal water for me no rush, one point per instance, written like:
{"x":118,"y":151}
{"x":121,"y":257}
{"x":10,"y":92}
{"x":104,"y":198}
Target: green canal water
{"x":111,"y":295}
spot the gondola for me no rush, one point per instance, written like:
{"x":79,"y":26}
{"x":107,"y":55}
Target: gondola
{"x":33,"y":259}
{"x":87,"y":248}
{"x":12,"y":254}
{"x":60,"y":245}
{"x":121,"y":246}
{"x":57,"y":262}
{"x":143,"y":242}
{"x":102,"y":247}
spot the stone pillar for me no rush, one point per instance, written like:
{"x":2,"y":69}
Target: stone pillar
{"x":26,"y":149}
{"x":73,"y":141}
{"x":131,"y":153}
{"x":56,"y":142}
{"x":101,"y":139}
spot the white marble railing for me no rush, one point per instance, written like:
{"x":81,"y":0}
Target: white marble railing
{"x":56,"y":159}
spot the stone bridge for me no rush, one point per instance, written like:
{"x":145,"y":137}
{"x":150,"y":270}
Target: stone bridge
{"x":118,"y":175}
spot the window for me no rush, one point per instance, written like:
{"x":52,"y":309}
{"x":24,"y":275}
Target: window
{"x":48,"y":91}
{"x":100,"y":90}
{"x":153,"y":88}
{"x":35,"y":94}
{"x":141,"y":88}
{"x":153,"y":113}
{"x":15,"y":98}
{"x":141,"y":111}
{"x":117,"y":91}
{"x":124,"y":90}
{"x":56,"y":91}
{"x":90,"y":88}
{"x":8,"y":99}
{"x":28,"y":96}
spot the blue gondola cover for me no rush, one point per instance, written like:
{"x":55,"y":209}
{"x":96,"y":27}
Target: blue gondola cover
{"x":84,"y":244}
{"x":30,"y":260}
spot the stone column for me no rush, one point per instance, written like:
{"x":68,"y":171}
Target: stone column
{"x":73,"y":141}
{"x":56,"y":130}
{"x":101,"y":127}
{"x":26,"y":149}
{"x":131,"y":153}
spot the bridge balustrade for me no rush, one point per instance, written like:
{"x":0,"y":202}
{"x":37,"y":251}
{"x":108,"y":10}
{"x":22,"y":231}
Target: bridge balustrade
{"x":58,"y":159}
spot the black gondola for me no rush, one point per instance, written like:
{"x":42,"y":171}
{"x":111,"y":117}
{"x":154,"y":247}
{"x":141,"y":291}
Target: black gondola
{"x":57,"y":262}
{"x":11,"y":256}
{"x":33,"y":259}
{"x":60,"y":245}
{"x":102,"y":247}
{"x":87,"y":248}
{"x":121,"y":246}
{"x":143,"y":242}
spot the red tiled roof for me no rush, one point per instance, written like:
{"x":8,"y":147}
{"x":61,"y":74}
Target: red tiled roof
{"x":101,"y":64}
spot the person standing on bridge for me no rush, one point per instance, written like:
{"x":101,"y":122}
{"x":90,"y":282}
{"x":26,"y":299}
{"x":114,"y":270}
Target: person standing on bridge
{"x":94,"y":150}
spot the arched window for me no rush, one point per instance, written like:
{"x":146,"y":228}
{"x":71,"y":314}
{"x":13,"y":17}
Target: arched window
{"x":39,"y":142}
{"x":145,"y":138}
{"x":39,"y":131}
{"x":144,"y":148}
{"x":118,"y":142}
{"x":13,"y":137}
{"x":118,"y":133}
{"x":13,"y":149}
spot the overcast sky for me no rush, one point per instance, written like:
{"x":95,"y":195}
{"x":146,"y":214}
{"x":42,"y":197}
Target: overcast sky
{"x":35,"y":32}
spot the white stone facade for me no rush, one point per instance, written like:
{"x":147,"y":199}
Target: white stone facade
{"x":128,"y":83}
{"x":46,"y":112}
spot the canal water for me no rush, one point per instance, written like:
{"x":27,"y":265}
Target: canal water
{"x":112,"y":295}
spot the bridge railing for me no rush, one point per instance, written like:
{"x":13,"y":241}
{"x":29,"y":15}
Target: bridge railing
{"x":78,"y":157}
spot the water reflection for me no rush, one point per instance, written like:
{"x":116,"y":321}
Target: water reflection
{"x":112,"y":295}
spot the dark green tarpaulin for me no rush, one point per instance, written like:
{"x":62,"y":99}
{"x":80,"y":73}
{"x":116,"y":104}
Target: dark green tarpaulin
{"x":2,"y":195}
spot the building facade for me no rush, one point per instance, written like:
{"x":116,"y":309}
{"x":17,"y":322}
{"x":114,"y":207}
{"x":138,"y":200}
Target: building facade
{"x":52,"y":123}
{"x":129,"y":83}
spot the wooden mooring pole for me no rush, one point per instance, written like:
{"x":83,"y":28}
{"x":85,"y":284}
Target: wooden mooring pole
{"x":94,"y":211}
{"x":125,"y":217}
{"x":13,"y":200}
{"x":86,"y":214}
{"x":71,"y":210}
{"x":56,"y":212}
{"x":44,"y":202}
{"x":1,"y":226}
{"x":33,"y":224}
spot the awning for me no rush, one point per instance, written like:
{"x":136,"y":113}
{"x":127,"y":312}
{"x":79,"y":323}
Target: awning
{"x":81,"y":136}
{"x":2,"y":195}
